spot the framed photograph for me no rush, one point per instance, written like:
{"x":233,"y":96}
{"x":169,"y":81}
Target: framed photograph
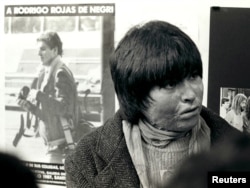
{"x":234,"y":106}
{"x":87,"y":35}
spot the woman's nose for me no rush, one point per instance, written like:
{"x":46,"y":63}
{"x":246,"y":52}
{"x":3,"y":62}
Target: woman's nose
{"x":188,"y":92}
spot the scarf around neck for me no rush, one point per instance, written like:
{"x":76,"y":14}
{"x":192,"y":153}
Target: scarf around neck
{"x":157,"y":137}
{"x":136,"y":134}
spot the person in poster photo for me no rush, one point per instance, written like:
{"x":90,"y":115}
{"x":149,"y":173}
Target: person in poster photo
{"x":235,"y":115}
{"x":52,"y":98}
{"x":246,"y":117}
{"x":225,"y":103}
{"x":157,"y":73}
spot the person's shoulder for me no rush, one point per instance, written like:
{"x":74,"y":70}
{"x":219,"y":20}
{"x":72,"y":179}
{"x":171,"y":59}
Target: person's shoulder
{"x":64,"y":75}
{"x":210,"y":115}
{"x":230,"y":112}
{"x":89,"y":140}
{"x":64,"y":71}
{"x":87,"y":146}
{"x":220,"y":128}
{"x":83,"y":154}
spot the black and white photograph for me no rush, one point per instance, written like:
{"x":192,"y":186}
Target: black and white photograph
{"x":110,"y":93}
{"x":53,"y":82}
{"x":235,"y":107}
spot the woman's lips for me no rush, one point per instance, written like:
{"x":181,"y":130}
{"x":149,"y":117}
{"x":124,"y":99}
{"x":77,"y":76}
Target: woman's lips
{"x":189,"y":113}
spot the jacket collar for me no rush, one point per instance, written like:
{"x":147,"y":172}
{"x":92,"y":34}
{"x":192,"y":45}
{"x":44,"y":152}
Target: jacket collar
{"x":111,"y":147}
{"x":219,"y":127}
{"x":111,"y":138}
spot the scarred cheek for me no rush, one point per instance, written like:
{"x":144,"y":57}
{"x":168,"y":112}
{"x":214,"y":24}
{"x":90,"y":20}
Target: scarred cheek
{"x":199,"y":88}
{"x":167,"y":110}
{"x":201,"y":94}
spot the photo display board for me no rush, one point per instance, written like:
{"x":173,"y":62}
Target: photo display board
{"x":229,"y":53}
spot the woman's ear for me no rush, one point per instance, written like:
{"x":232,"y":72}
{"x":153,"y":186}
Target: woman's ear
{"x":55,"y":49}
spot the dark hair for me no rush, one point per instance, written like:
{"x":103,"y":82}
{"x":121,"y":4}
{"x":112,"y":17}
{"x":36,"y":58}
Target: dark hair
{"x":154,"y":54}
{"x":53,"y":40}
{"x":15,"y":173}
{"x":224,"y":99}
{"x":239,"y":98}
{"x":248,"y":108}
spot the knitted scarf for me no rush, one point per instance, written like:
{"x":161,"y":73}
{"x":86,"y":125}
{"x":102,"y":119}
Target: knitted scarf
{"x":199,"y":141}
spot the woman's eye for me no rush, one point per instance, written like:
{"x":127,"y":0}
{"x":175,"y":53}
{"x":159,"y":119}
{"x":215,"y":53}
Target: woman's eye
{"x":170,"y":85}
{"x":193,"y":76}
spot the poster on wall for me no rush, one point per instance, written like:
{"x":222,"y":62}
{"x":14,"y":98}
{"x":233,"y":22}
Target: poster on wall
{"x":86,"y":32}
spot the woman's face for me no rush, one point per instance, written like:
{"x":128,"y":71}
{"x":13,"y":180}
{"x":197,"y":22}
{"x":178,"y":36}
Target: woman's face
{"x":176,"y":108}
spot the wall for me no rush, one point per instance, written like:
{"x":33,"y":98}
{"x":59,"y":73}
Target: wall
{"x":191,"y":15}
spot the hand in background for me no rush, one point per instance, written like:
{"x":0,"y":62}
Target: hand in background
{"x":24,"y":104}
{"x":23,"y":94}
{"x":32,"y":97}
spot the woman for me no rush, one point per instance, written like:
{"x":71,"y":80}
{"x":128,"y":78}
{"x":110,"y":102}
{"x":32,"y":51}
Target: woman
{"x":235,"y":115}
{"x":157,"y":74}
